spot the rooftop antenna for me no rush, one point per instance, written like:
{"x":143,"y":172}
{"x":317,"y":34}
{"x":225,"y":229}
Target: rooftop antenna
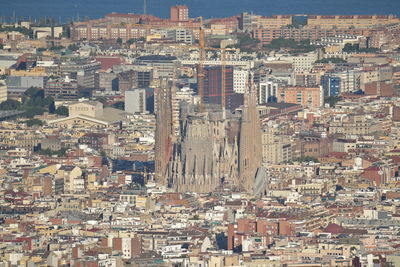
{"x":144,"y":7}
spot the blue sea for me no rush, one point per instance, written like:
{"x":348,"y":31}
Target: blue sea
{"x":67,"y":9}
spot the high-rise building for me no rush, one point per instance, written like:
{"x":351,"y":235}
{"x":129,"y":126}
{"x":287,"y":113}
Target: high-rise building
{"x":62,"y":89}
{"x":84,"y":72}
{"x":331,"y":85}
{"x":247,"y":21}
{"x":276,"y":148}
{"x":213,"y":88}
{"x":135,"y":101}
{"x":240,"y":80}
{"x":179,"y":13}
{"x":181,"y":35}
{"x":268,"y":91}
{"x":108,"y":81}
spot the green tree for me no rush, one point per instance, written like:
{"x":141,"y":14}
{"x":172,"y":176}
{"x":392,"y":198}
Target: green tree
{"x":33,"y":91}
{"x":307,"y":159}
{"x":10,"y":104}
{"x":119,"y":105}
{"x":56,"y":48}
{"x":73,"y":47}
{"x":293,"y":46}
{"x":355,"y":48}
{"x":32,"y":111}
{"x":135,"y":40}
{"x":23,"y":30}
{"x":33,"y":122}
{"x":131,"y":41}
{"x":52,"y":107}
{"x":48,"y":152}
{"x":119,"y":41}
{"x":1,"y":46}
{"x":331,"y":60}
{"x":332,"y":100}
{"x":102,"y":99}
{"x":62,"y":111}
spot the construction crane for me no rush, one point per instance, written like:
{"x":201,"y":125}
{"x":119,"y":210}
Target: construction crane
{"x":223,"y":82}
{"x":144,"y":7}
{"x":200,"y":70}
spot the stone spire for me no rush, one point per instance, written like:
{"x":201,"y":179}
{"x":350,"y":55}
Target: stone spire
{"x":250,"y":149}
{"x":164,"y":131}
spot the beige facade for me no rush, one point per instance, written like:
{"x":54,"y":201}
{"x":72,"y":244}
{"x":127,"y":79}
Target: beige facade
{"x":37,"y":72}
{"x":79,"y":122}
{"x":3,"y":92}
{"x":275,"y":22}
{"x":87,"y":108}
{"x":358,"y":22}
{"x":73,"y":182}
{"x":276,"y":149}
{"x":354,"y":124}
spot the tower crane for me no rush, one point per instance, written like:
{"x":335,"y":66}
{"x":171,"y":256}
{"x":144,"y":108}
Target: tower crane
{"x":200,"y":69}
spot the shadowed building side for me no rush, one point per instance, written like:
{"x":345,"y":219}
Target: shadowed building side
{"x":164,"y":129}
{"x":250,"y":149}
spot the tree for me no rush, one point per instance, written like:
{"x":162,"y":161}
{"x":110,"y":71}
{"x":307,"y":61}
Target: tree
{"x":32,"y":92}
{"x":32,"y":111}
{"x":135,"y":40}
{"x":349,"y":48}
{"x":52,"y":107}
{"x":102,"y":99}
{"x":332,"y":100}
{"x":32,"y":122}
{"x":307,"y":159}
{"x":119,"y":41}
{"x":295,"y":47}
{"x":23,"y":30}
{"x":56,"y":48}
{"x":10,"y":104}
{"x":119,"y":105}
{"x":1,"y":46}
{"x":131,"y":41}
{"x":331,"y":60}
{"x":62,"y":111}
{"x":73,"y":47}
{"x":48,"y":152}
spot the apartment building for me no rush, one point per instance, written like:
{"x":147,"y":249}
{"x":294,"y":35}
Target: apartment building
{"x":310,"y":97}
{"x":350,"y":21}
{"x":266,"y":35}
{"x":273,"y":22}
{"x":179,"y":13}
{"x":276,"y":148}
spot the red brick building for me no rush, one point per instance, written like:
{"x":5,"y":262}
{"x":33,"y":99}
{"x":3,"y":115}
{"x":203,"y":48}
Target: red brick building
{"x":179,"y":13}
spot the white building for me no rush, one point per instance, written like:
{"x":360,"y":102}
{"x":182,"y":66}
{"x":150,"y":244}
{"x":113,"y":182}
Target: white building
{"x":267,"y":91}
{"x":304,"y":62}
{"x":135,"y":101}
{"x":240,"y":78}
{"x":181,"y":35}
{"x":3,"y":91}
